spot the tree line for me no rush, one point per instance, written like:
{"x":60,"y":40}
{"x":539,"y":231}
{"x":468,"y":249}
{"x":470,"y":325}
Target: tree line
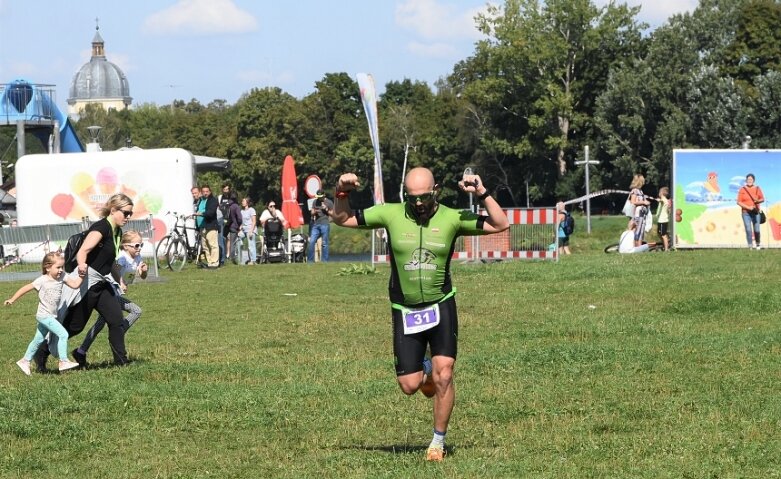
{"x":547,"y":79}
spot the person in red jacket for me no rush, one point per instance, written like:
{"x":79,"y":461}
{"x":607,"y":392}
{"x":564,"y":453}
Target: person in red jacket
{"x":749,"y":199}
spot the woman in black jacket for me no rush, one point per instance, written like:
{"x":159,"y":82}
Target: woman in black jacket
{"x":95,"y":259}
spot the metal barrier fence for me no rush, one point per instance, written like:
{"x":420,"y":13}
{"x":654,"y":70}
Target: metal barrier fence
{"x":532,"y":235}
{"x":22,"y":248}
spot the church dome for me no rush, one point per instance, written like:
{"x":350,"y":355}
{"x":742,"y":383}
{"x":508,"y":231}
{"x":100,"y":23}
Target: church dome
{"x":99,"y":80}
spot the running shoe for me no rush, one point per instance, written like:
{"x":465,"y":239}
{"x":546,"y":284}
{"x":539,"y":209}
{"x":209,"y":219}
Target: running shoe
{"x":427,"y":366}
{"x":24,"y":365}
{"x":427,"y":388}
{"x":79,"y":357}
{"x":66,"y":365}
{"x":435,"y":454}
{"x":40,"y":358}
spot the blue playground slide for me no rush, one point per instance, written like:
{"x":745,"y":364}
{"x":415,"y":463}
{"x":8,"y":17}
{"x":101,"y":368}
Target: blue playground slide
{"x":22,"y":100}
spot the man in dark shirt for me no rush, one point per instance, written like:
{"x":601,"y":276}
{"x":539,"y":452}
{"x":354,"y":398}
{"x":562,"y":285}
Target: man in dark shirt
{"x":321,"y":225}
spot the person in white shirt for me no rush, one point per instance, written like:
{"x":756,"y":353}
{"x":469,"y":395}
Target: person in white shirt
{"x":627,"y":242}
{"x":49,"y":287}
{"x":271,"y":211}
{"x":249,"y":228}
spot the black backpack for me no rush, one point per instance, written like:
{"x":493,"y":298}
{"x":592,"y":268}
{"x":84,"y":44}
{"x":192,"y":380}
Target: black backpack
{"x":71,"y":248}
{"x":224,"y":208}
{"x":568,"y":225}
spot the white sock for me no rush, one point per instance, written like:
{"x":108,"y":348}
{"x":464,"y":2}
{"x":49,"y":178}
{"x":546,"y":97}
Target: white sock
{"x":438,"y":440}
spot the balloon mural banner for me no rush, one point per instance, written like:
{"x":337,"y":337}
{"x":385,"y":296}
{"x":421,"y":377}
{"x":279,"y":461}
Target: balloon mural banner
{"x":54,"y":189}
{"x":705,"y":191}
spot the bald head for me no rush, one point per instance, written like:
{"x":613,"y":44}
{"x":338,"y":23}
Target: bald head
{"x":419,"y":180}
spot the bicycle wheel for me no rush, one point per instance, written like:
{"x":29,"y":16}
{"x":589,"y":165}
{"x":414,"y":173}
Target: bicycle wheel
{"x":177,"y":255}
{"x":613,"y":248}
{"x":161,"y":252}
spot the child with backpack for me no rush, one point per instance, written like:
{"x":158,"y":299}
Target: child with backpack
{"x":566,"y":228}
{"x":128,"y":266}
{"x":49,"y":287}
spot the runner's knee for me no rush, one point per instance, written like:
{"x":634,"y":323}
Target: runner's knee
{"x":410,"y":383}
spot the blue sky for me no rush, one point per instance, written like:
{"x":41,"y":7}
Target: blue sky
{"x":210,"y":49}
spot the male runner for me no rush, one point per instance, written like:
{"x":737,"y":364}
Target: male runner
{"x":421,"y":239}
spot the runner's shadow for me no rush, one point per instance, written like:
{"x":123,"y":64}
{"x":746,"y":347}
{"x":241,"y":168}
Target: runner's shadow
{"x":397,"y":449}
{"x":110,"y":364}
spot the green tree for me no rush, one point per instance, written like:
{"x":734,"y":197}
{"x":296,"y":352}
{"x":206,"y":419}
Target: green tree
{"x":532,"y":85}
{"x":756,"y":46}
{"x":270,"y":125}
{"x":765,"y":123}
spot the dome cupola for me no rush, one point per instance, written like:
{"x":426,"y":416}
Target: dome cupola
{"x":99,"y":81}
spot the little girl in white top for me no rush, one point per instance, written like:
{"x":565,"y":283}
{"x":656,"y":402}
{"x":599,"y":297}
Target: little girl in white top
{"x":49,"y":287}
{"x":129,"y":265}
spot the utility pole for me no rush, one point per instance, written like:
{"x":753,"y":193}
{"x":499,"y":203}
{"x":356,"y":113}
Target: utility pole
{"x":588,"y":192}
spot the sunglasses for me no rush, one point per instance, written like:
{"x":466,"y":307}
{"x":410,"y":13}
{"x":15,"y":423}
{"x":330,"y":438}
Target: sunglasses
{"x":419,"y":198}
{"x":272,"y":206}
{"x":135,"y":245}
{"x":126,"y":214}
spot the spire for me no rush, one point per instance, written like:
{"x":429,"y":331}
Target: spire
{"x":97,"y":42}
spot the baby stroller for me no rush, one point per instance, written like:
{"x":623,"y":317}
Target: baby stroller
{"x":274,"y":248}
{"x":298,"y":244}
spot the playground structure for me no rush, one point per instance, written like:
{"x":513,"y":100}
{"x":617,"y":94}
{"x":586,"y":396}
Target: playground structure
{"x":32,"y":107}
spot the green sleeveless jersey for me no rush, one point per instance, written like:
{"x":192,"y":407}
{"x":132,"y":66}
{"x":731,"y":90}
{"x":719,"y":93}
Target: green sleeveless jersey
{"x":420,"y":254}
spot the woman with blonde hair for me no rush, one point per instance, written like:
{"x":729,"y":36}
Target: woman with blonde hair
{"x":95,"y":261}
{"x":641,"y":205}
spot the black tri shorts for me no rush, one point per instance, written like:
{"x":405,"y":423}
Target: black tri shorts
{"x":409,"y":350}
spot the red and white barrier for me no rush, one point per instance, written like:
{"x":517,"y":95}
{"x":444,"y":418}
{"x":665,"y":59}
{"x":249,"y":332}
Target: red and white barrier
{"x":531,"y":232}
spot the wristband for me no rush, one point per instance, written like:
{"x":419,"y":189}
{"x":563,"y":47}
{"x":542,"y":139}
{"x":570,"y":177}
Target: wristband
{"x":484,"y":195}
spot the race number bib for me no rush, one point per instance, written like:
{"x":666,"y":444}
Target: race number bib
{"x":422,"y":319}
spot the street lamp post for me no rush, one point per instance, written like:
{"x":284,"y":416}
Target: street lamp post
{"x":588,"y":192}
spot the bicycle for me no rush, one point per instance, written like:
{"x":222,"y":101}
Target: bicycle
{"x":652,"y":246}
{"x":175,"y":249}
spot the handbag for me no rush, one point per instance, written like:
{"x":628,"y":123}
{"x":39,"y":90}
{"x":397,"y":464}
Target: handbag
{"x":629,"y":209}
{"x":649,"y":221}
{"x":762,"y":216}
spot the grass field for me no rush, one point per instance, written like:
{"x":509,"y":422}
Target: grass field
{"x":662,"y":365}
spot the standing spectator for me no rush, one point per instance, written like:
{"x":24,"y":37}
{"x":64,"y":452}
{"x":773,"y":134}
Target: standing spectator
{"x":641,"y":205}
{"x":663,"y":216}
{"x":129,"y":265}
{"x":196,"y":192}
{"x":95,"y":261}
{"x":206,"y":221}
{"x":233,"y":226}
{"x":49,"y":287}
{"x":223,"y":204}
{"x":249,"y":226}
{"x":321,"y":211}
{"x":749,"y":199}
{"x":562,"y":233}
